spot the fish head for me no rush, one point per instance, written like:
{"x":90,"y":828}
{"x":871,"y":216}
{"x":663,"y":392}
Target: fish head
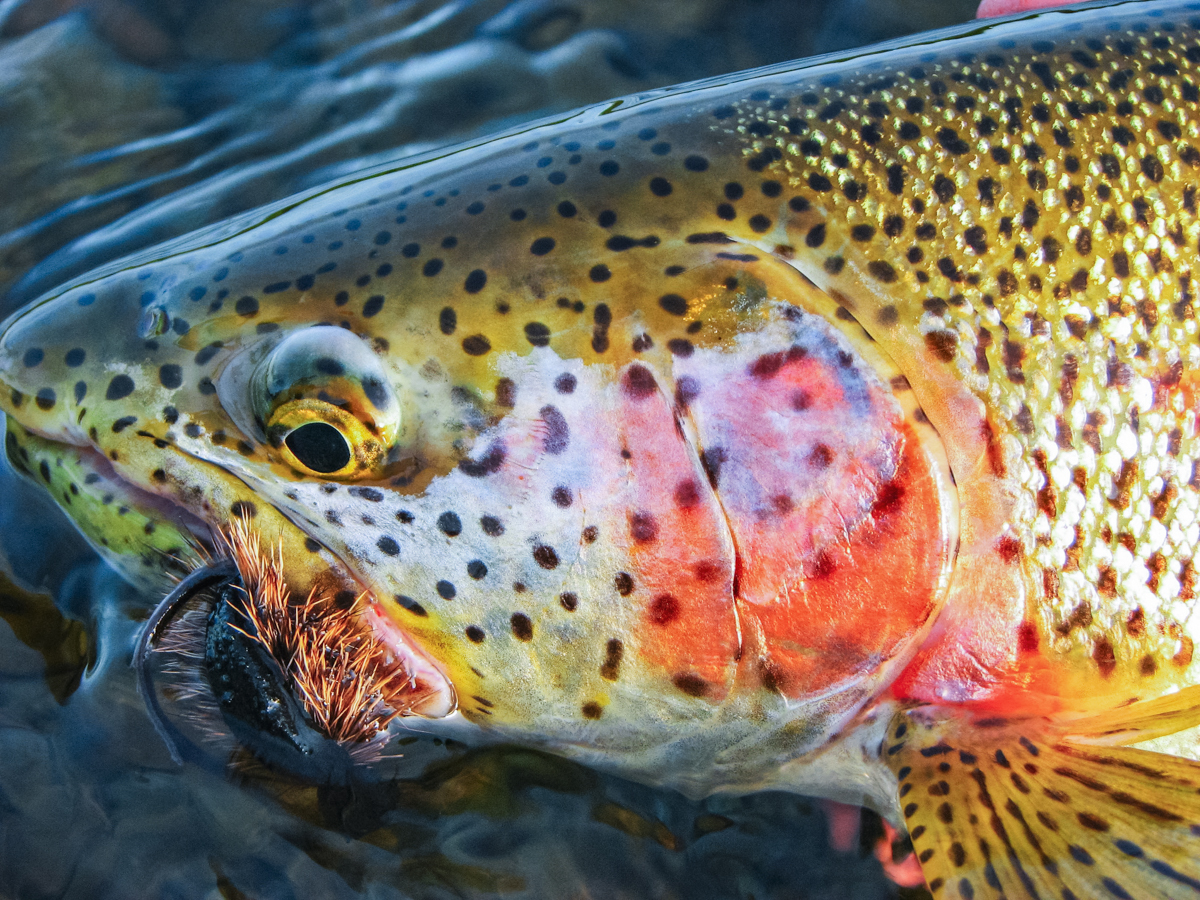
{"x":641,"y":511}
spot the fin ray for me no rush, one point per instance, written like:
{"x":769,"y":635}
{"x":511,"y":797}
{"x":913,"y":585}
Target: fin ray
{"x":1002,"y":809}
{"x":1140,"y":721}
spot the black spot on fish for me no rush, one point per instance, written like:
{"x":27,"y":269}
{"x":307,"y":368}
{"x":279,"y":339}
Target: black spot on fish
{"x":642,"y":527}
{"x":557,"y":431}
{"x":522,"y":627}
{"x":208,"y":352}
{"x":638,"y":382}
{"x":476,"y":345}
{"x":691,"y":684}
{"x":538,"y":334}
{"x":663,"y":610}
{"x":712,"y":459}
{"x":490,"y":462}
{"x":545,"y":556}
{"x":119,"y":388}
{"x":613,"y":652}
{"x":170,"y":376}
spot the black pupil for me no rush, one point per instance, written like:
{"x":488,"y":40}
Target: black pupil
{"x":319,"y":446}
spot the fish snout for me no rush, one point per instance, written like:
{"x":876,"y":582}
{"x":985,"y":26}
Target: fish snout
{"x":85,"y":357}
{"x":37,"y":362}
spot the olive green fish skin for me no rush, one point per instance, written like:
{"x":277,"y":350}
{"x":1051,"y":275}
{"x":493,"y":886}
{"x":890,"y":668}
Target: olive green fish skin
{"x":1008,"y":216}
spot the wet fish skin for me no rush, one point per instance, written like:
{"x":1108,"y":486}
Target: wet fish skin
{"x":758,"y":411}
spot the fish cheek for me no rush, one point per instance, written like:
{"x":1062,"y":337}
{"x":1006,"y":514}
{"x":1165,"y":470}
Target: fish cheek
{"x":837,"y":495}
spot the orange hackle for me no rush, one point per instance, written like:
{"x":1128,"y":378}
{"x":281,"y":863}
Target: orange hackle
{"x":348,"y":683}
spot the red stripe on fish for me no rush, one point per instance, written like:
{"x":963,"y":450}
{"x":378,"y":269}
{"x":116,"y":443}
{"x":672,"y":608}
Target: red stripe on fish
{"x":677,"y":543}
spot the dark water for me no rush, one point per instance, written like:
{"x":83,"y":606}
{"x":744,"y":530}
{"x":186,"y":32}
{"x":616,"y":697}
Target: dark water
{"x":126,"y":123}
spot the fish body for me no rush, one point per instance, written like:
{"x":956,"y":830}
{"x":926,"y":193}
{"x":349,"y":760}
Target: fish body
{"x":806,"y":428}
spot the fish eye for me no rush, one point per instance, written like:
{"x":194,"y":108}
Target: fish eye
{"x":320,"y":447}
{"x":327,"y":404}
{"x":319,"y":437}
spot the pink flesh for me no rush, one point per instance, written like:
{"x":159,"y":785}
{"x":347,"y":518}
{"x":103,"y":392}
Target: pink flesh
{"x":432,"y":695}
{"x":803,"y":454}
{"x":990,"y":8}
{"x":685,"y":560}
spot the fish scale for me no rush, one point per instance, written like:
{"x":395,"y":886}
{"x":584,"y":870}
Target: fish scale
{"x":786,"y":430}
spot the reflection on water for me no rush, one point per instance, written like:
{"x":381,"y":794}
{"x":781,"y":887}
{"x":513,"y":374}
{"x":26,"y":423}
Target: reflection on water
{"x":123,"y":123}
{"x":62,"y":643}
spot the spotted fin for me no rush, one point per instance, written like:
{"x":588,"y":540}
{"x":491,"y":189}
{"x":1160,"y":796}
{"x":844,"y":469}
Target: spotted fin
{"x":1001,"y":809}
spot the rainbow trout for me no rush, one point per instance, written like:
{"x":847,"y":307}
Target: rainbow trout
{"x":830,"y":427}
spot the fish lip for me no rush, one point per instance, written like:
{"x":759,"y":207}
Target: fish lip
{"x":434,"y":693}
{"x":198,"y":529}
{"x":441,"y":699}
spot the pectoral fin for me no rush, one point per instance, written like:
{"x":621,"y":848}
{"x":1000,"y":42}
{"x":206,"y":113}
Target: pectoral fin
{"x":1026,"y":809}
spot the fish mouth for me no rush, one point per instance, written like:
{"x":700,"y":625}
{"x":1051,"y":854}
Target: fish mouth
{"x":321,"y":629}
{"x":353,"y":668}
{"x":308,"y":687}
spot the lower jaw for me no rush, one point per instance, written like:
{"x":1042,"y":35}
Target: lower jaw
{"x":434,"y":696}
{"x":147,"y":538}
